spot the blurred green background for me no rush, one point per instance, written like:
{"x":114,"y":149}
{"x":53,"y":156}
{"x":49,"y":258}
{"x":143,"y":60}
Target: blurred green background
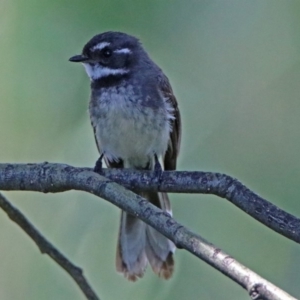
{"x":235,"y":69}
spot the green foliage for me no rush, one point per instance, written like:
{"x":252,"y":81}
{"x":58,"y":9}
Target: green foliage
{"x":234,"y":66}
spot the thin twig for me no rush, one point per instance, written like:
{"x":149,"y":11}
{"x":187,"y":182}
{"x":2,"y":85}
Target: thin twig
{"x":57,"y":178}
{"x":46,"y":247}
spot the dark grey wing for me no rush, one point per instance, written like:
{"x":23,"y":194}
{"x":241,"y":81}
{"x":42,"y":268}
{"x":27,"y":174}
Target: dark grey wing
{"x":175,"y":136}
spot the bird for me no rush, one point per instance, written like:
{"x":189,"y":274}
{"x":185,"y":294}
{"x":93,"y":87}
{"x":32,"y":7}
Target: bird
{"x":137,"y":125}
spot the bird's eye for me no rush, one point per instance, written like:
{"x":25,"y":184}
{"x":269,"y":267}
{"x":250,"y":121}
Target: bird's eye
{"x":106,"y":52}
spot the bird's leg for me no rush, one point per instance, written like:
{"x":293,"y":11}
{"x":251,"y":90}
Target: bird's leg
{"x":157,"y":168}
{"x":98,"y":165}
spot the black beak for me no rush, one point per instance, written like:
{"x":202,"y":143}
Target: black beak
{"x":78,"y":58}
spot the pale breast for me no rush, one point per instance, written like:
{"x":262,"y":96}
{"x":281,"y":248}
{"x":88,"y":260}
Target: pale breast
{"x":126,"y":127}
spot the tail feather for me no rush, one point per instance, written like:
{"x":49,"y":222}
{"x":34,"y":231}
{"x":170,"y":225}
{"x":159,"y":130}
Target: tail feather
{"x":139,"y":244}
{"x":131,"y":258}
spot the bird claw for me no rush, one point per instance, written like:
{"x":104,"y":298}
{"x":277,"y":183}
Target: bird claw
{"x":157,"y":167}
{"x":98,"y":166}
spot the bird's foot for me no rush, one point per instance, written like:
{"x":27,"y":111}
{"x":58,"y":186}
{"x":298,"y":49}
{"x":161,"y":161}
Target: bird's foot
{"x":98,"y":166}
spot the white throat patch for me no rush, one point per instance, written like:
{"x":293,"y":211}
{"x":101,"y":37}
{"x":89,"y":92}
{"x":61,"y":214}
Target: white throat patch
{"x":97,"y":71}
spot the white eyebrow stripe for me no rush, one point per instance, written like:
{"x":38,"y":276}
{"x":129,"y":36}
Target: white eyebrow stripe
{"x":123,"y":50}
{"x":100,"y":46}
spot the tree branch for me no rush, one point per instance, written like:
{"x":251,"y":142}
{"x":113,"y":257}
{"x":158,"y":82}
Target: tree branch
{"x":217,"y":184}
{"x":46,"y":247}
{"x":57,"y":178}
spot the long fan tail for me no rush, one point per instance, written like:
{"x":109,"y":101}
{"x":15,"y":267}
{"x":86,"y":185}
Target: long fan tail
{"x":139,"y":244}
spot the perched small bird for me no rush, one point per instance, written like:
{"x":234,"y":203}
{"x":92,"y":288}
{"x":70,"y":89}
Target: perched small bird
{"x":136,"y":123}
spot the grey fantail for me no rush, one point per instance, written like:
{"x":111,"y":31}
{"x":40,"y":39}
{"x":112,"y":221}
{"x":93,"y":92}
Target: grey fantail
{"x":136,"y":123}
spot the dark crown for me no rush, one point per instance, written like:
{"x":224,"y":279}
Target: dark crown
{"x":117,"y":40}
